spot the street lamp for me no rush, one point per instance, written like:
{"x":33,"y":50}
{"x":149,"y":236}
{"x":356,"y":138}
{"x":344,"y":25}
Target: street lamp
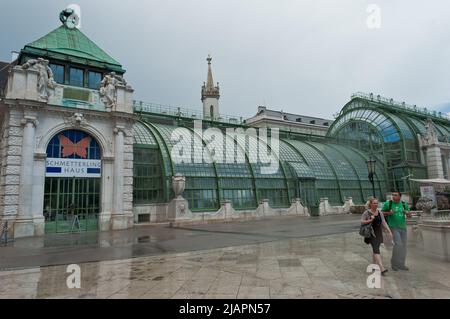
{"x":371,"y":168}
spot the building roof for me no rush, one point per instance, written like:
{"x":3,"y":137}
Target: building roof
{"x":291,"y":116}
{"x":289,"y":121}
{"x":72,"y":43}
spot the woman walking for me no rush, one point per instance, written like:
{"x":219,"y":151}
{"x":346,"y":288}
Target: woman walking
{"x":373,"y":216}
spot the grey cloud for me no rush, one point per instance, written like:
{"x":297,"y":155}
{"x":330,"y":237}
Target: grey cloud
{"x":299,"y":56}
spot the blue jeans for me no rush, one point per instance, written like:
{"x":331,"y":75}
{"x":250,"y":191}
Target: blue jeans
{"x":400,"y":244}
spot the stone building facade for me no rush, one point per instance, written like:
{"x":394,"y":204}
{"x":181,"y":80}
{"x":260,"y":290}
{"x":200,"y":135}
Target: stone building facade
{"x":36,"y":110}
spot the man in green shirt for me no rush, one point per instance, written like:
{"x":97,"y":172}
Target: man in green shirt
{"x":397,"y":212}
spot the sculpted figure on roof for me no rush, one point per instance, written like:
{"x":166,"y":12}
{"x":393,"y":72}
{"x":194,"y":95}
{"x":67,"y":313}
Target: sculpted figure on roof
{"x":431,"y":136}
{"x":45,"y":82}
{"x":108,"y":88}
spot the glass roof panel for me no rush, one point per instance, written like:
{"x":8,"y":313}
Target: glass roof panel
{"x":381,"y":122}
{"x":315,"y":160}
{"x":142,"y":135}
{"x":342,"y":166}
{"x":194,"y":164}
{"x":403,"y":127}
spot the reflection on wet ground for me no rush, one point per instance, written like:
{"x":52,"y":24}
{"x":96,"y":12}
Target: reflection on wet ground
{"x":330,"y":266}
{"x":57,"y":249}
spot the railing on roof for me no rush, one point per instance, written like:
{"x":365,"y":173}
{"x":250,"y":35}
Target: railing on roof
{"x":154,"y":108}
{"x":402,"y":105}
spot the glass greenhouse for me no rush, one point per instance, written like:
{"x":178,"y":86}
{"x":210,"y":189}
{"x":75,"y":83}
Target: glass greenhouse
{"x":390,"y":131}
{"x":309,"y":168}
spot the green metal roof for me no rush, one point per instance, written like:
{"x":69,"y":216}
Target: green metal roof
{"x":72,"y":43}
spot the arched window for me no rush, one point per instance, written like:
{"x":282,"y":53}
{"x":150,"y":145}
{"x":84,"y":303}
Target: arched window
{"x":211,"y":111}
{"x":74,"y":144}
{"x":73,"y":153}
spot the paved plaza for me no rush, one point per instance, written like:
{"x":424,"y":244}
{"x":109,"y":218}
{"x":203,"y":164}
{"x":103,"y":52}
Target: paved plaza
{"x":324,"y":266}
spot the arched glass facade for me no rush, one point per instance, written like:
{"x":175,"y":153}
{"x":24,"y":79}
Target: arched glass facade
{"x":304,"y":168}
{"x":391,"y":132}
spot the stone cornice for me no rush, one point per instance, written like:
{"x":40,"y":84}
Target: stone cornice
{"x":40,"y":156}
{"x":108,"y":159}
{"x":42,"y":106}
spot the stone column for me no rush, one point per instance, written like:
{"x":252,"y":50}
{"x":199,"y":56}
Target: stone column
{"x":107,"y":193}
{"x":434,"y":162}
{"x":38,"y":193}
{"x":24,"y":225}
{"x":119,"y":219}
{"x":118,"y":170}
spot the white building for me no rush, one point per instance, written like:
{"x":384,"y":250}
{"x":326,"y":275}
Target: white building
{"x":67,"y":147}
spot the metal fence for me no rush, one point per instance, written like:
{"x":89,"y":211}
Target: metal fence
{"x":401,"y":105}
{"x":145,"y":107}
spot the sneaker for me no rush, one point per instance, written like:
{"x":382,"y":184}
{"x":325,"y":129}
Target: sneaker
{"x":384,"y":272}
{"x":403,"y":268}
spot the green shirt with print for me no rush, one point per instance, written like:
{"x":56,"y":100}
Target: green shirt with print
{"x":398,"y":218}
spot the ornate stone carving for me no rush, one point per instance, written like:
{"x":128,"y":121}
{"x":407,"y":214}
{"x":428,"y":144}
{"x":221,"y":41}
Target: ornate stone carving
{"x":178,"y":184}
{"x":45,"y":82}
{"x":431,"y":135}
{"x":425,"y":204}
{"x":76,"y":119}
{"x":69,"y":18}
{"x":119,"y":129}
{"x":108,"y":88}
{"x":29,"y":120}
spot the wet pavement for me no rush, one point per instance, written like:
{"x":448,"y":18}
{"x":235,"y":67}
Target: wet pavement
{"x":271,"y":258}
{"x":62,"y":249}
{"x":332,"y":266}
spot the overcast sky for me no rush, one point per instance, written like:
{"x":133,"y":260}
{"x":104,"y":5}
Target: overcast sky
{"x":301,"y":56}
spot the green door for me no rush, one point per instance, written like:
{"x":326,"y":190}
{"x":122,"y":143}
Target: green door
{"x":71,"y":204}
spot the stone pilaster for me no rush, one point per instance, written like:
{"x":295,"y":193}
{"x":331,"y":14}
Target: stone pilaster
{"x":107,"y":193}
{"x":11,"y":158}
{"x":128,"y":157}
{"x":24,"y":225}
{"x":122,"y":194}
{"x":38,"y":193}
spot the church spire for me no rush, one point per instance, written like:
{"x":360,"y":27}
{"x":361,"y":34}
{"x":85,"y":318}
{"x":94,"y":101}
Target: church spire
{"x":208,"y":89}
{"x":210,"y":95}
{"x":210,"y":81}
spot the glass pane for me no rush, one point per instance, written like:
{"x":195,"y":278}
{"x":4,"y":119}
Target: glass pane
{"x":76,"y":77}
{"x":58,"y":72}
{"x":94,"y":80}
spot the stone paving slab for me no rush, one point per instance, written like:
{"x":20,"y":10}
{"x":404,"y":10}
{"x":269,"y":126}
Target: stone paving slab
{"x":317,"y":267}
{"x":60,"y":249}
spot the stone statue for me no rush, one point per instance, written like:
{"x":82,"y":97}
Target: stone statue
{"x":45,"y":81}
{"x":431,"y":135}
{"x":108,"y":88}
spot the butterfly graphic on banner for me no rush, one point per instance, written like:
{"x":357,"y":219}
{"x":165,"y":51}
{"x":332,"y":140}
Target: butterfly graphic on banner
{"x":70,"y":148}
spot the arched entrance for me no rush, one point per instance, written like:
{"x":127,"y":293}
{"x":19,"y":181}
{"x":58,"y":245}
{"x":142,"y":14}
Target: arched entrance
{"x":72,"y":183}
